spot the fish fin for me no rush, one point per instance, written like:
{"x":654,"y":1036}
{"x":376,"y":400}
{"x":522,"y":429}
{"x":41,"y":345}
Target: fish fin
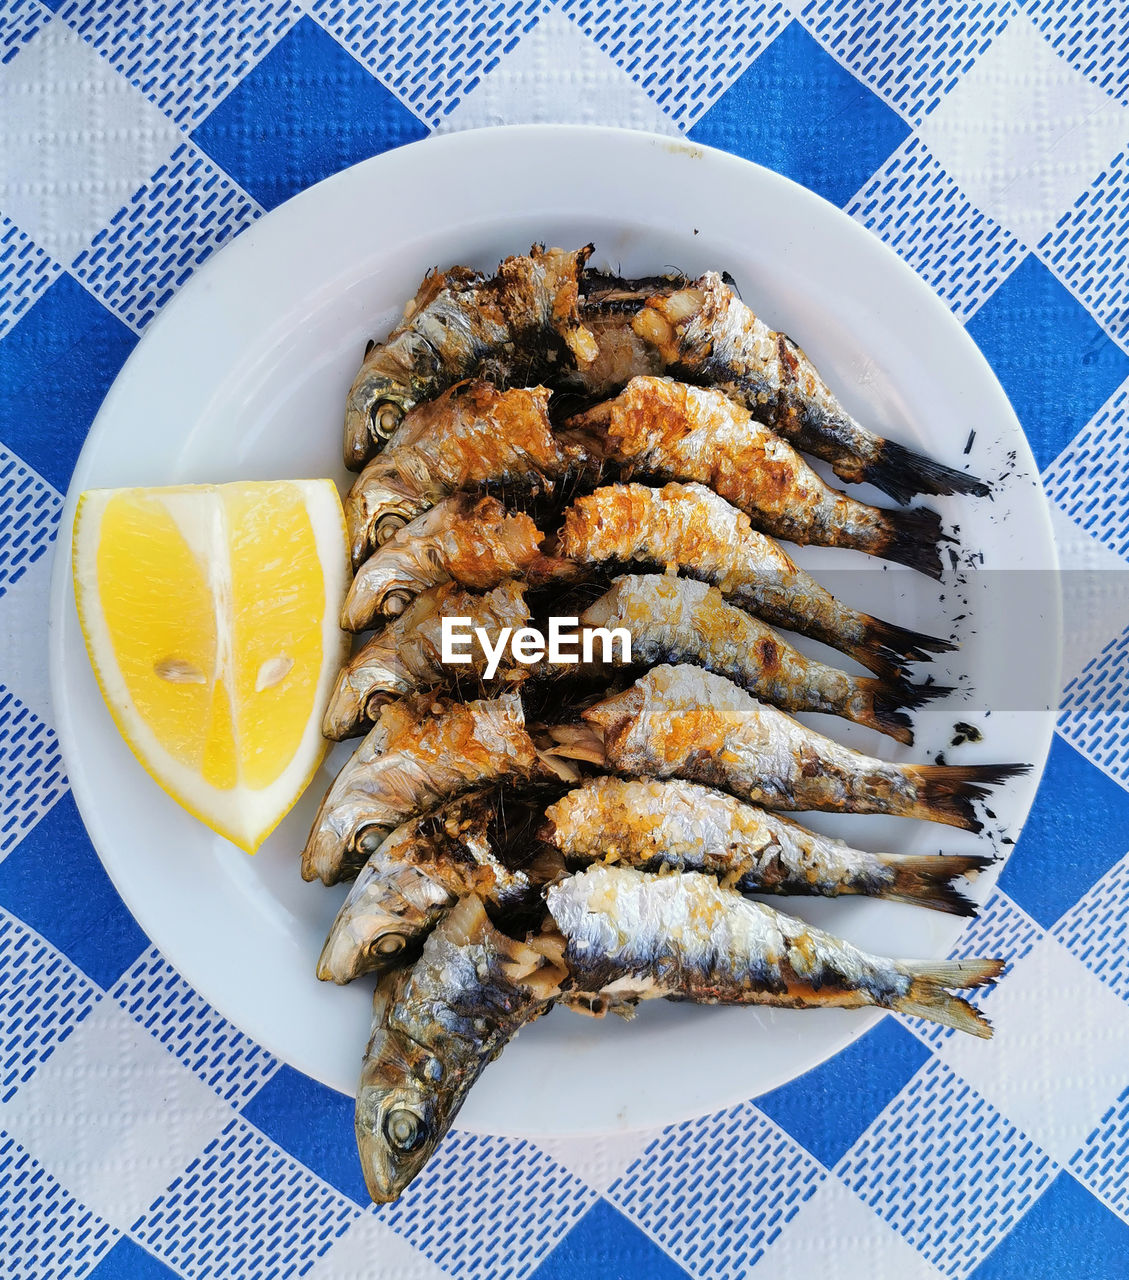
{"x":926,"y":880}
{"x":914,"y":540}
{"x":901,"y":473}
{"x":885,"y":647}
{"x":945,"y":792}
{"x":891,"y":699}
{"x":928,"y":998}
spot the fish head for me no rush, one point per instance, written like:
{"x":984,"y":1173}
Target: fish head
{"x":374,"y":679}
{"x":385,"y":389}
{"x":404,"y":1104}
{"x":379,"y":504}
{"x":388,"y":582}
{"x":344,"y":835}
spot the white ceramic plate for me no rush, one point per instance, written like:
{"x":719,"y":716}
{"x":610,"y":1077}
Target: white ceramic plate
{"x":243,"y":376}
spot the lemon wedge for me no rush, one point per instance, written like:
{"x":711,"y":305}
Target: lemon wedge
{"x":210,"y":616}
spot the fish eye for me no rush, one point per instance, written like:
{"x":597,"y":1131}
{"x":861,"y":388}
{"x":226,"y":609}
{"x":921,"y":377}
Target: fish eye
{"x":395,"y":602}
{"x":386,"y":527}
{"x":405,"y":1130}
{"x":389,"y":943}
{"x":385,"y":418}
{"x":369,"y":840}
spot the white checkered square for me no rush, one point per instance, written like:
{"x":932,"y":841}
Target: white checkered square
{"x":45,"y":1234}
{"x":520,"y":1201}
{"x":720,"y":1225}
{"x":1092,"y":711}
{"x":1051,"y":1015}
{"x":243,"y":1208}
{"x":1089,"y":249}
{"x":369,"y":1250}
{"x":1102,"y":1162}
{"x":1078,"y":480}
{"x":113,"y":1116}
{"x":557,"y":75}
{"x":430,"y":53}
{"x":19,"y":21}
{"x":913,"y":204}
{"x":1096,"y":928}
{"x":1092,"y":35}
{"x":599,"y":1159}
{"x":29,"y":517}
{"x":43,"y":997}
{"x":31,"y":770}
{"x":152,"y":245}
{"x":912,"y":53}
{"x":683,"y":53}
{"x":76,"y":140}
{"x":158,"y":998}
{"x":1023,"y":133}
{"x":946,"y":1170}
{"x":835,"y":1236}
{"x":25,"y":271}
{"x":184,"y":55}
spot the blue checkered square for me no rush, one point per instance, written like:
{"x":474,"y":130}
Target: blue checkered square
{"x":306,"y":111}
{"x":605,"y":1244}
{"x":128,"y":1261}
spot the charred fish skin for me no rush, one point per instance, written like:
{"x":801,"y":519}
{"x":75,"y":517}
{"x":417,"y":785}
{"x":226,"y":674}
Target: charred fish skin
{"x":681,"y":721}
{"x":513,"y":327}
{"x":421,"y":751}
{"x":676,"y":620}
{"x":473,"y":434}
{"x":705,"y":333}
{"x":435,"y":1028}
{"x":426,"y":865}
{"x":666,"y":430}
{"x":690,"y":528}
{"x":632,"y":936}
{"x":673,"y":824}
{"x":473,"y":541}
{"x":405,"y":656}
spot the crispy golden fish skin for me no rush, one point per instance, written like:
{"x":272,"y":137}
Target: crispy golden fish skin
{"x":405,"y":656}
{"x":666,"y":430}
{"x":700,"y":331}
{"x":689,"y":528}
{"x":513,"y":327}
{"x":654,"y":824}
{"x":673,"y":620}
{"x":681,"y":721}
{"x":473,"y":541}
{"x":435,"y":1027}
{"x":631,"y":935}
{"x":473,"y":434}
{"x":421,"y":751}
{"x":476,"y":843}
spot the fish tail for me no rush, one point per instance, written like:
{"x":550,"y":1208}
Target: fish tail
{"x":886,"y":648}
{"x":946,"y":792}
{"x":901,"y":473}
{"x":926,"y":880}
{"x":914,"y":539}
{"x":889,"y":700}
{"x":928,"y":998}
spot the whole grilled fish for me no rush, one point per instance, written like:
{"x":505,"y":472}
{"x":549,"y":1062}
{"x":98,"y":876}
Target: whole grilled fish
{"x":435,"y":1027}
{"x":470,"y":540}
{"x":700,"y":331}
{"x":406,"y":654}
{"x":685,"y":722}
{"x":472,"y":434}
{"x":654,"y":825}
{"x":690,"y":528}
{"x":665,"y":430}
{"x":421,"y":751}
{"x":513,"y":328}
{"x":632,"y":936}
{"x":478,"y":843}
{"x":677,"y":620}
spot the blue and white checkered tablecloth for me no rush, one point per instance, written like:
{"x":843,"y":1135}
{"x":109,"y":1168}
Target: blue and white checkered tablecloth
{"x":141,"y":1135}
